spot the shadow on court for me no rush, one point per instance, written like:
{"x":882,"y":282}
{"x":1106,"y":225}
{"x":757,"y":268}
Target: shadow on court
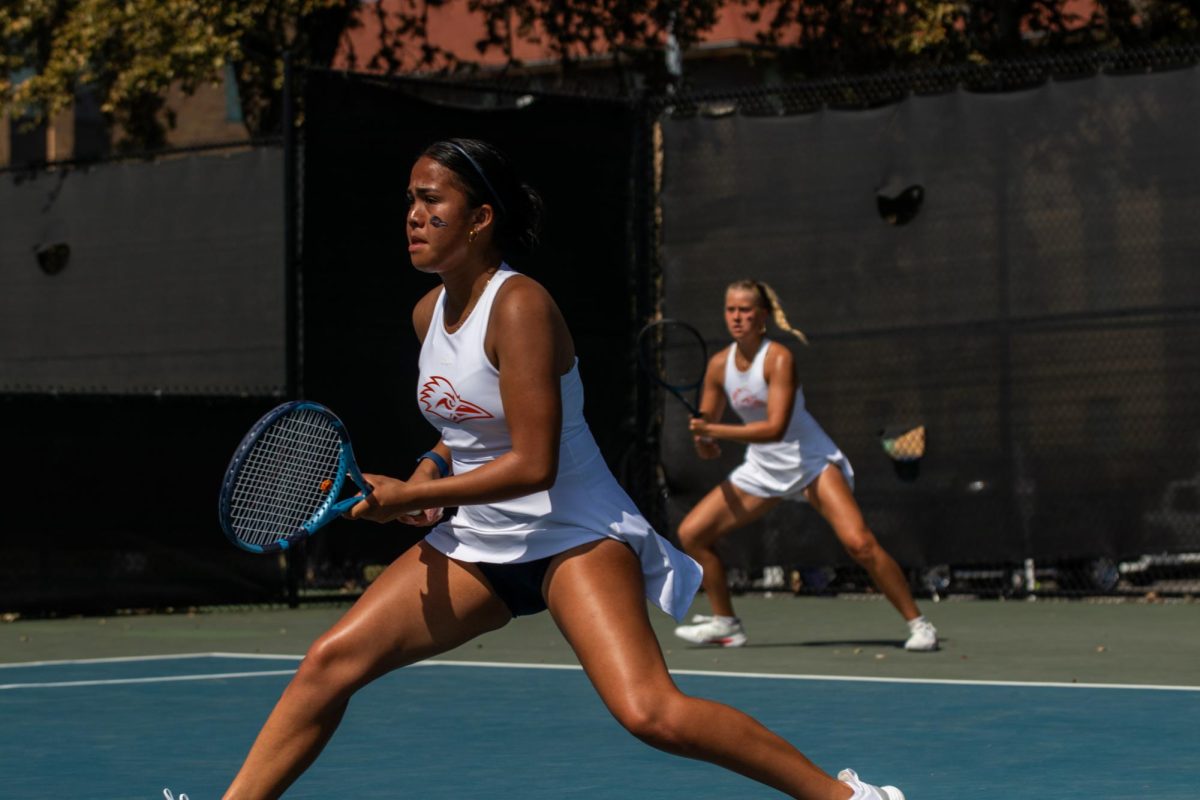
{"x":895,"y":644}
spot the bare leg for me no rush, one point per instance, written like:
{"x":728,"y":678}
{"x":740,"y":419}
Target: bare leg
{"x":719,"y":513}
{"x":830,"y":495}
{"x":595,"y":594}
{"x":422,"y":605}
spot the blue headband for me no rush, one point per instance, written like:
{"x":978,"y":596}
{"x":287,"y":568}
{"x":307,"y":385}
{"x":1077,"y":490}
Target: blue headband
{"x":482,"y":176}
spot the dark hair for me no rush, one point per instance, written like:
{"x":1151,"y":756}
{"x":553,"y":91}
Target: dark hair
{"x":488,"y":176}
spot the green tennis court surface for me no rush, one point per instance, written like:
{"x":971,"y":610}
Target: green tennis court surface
{"x":510,"y":716}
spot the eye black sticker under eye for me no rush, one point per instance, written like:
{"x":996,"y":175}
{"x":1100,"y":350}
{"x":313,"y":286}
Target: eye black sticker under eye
{"x":437,"y":222}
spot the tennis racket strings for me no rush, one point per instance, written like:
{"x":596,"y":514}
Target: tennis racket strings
{"x":674,"y":354}
{"x":682,"y":355}
{"x":293,"y":469}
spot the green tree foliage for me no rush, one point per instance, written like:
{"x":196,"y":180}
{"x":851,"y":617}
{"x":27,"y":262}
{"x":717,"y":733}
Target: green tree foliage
{"x":131,"y":52}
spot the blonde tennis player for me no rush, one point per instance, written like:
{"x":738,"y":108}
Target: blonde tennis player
{"x":788,"y":457}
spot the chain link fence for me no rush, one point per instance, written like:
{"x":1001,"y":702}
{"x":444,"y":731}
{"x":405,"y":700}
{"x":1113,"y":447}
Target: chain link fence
{"x":1034,"y":305}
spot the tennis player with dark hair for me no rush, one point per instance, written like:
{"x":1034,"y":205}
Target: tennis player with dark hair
{"x":541,"y":522}
{"x":788,"y":457}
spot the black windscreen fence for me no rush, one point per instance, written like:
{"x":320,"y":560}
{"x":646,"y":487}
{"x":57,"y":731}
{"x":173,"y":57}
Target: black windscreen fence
{"x":1014,"y":271}
{"x":1011,"y":268}
{"x":115,"y":505}
{"x":142,"y":330}
{"x":158,"y":277}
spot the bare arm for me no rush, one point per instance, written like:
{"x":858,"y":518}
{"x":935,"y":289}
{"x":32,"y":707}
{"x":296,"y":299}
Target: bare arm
{"x":780,"y":373}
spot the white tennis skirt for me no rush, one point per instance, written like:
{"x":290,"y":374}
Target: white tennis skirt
{"x":757,"y":479}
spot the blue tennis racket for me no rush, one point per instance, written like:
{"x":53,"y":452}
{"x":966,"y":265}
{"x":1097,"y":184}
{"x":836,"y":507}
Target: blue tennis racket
{"x":674,"y":354}
{"x":286,"y":477}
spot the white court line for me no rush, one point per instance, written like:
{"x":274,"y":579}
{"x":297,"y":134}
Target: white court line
{"x":153,"y":679}
{"x":172,"y":657}
{"x":508,"y":665}
{"x":161,"y":679}
{"x":843,"y":678}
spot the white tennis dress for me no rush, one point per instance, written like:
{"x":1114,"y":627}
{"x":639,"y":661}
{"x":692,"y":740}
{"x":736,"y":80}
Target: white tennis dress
{"x":459,"y":393}
{"x":784,"y":468}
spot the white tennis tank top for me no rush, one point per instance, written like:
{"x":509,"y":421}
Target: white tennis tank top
{"x":458,"y":391}
{"x":747,"y":394}
{"x":459,"y":388}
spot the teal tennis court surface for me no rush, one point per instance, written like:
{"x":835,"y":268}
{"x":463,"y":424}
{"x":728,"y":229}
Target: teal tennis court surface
{"x":128,"y":727}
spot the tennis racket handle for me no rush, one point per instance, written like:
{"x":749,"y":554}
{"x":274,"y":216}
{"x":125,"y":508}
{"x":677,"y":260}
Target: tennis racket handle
{"x":343,"y":506}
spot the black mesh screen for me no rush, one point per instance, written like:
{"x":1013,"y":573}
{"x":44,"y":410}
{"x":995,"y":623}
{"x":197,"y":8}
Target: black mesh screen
{"x":1015,"y":271}
{"x":1002,"y":253}
{"x":144,"y":278}
{"x":115,"y":505}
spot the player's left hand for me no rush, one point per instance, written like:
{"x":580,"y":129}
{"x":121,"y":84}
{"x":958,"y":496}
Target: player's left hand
{"x":698,"y":426}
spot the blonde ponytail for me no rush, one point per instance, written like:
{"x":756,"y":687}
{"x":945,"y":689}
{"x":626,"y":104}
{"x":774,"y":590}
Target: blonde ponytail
{"x":769,"y":300}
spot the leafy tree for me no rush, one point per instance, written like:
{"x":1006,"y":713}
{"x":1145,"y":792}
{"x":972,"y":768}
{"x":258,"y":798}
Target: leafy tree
{"x":130,"y":53}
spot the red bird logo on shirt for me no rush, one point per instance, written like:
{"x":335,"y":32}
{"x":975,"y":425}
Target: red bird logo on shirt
{"x":744,"y":398}
{"x":441,"y":400}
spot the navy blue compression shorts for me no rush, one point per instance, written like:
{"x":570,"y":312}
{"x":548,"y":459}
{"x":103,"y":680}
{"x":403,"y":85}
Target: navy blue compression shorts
{"x":519,"y":586}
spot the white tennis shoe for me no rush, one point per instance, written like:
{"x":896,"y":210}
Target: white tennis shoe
{"x":723,"y":631}
{"x":865,"y":791}
{"x":168,"y":796}
{"x":922,"y":637}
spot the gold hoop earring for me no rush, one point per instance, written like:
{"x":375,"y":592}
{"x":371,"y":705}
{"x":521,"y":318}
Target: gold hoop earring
{"x":472,"y":234}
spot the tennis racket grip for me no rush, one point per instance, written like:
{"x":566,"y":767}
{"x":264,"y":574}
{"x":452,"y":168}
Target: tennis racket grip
{"x":342,"y":506}
{"x":697,"y":415}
